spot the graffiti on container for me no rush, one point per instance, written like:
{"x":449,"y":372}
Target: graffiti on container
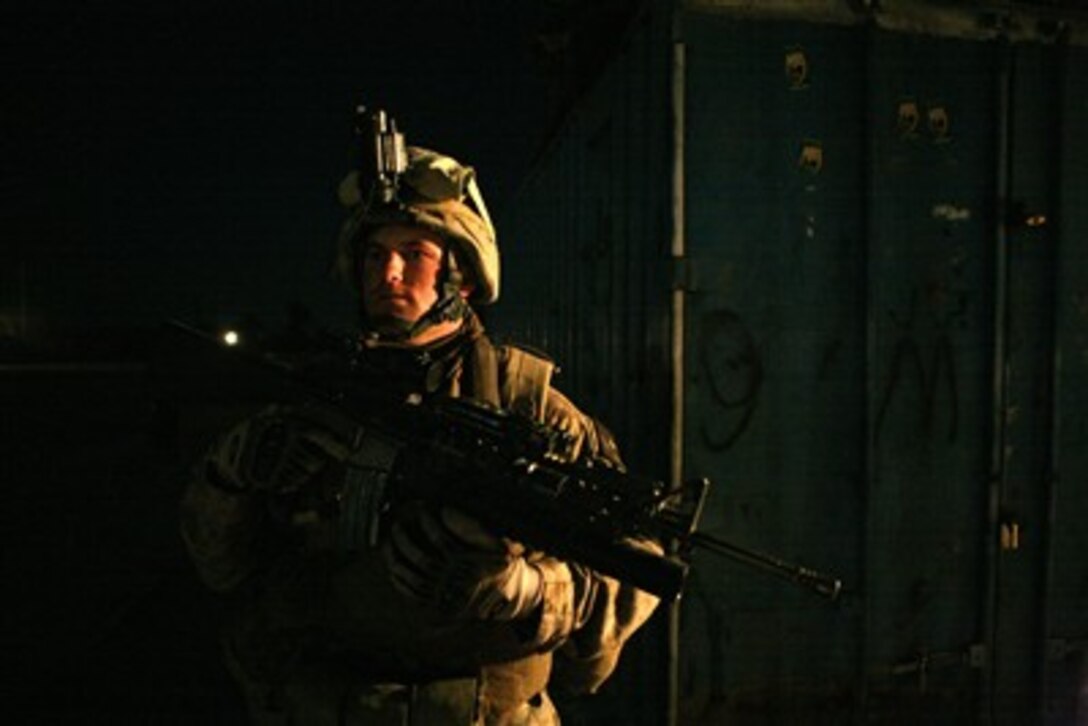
{"x":909,"y":359}
{"x":733,"y":371}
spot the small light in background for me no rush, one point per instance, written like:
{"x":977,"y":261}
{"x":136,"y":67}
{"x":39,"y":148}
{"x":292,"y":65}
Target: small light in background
{"x":230,"y":337}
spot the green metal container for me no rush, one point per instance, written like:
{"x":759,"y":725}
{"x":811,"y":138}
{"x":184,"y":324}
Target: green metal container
{"x":832,"y":257}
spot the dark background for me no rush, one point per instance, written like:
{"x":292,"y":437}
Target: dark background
{"x":170,"y":160}
{"x":181,"y":160}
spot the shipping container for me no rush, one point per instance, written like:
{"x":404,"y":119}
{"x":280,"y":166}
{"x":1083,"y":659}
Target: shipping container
{"x":831,"y":255}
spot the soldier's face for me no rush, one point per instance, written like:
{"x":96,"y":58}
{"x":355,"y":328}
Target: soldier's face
{"x":400,"y":269}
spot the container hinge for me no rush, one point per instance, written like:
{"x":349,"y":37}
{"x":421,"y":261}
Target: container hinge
{"x":1062,"y":648}
{"x":683,"y":274}
{"x":927,"y":661}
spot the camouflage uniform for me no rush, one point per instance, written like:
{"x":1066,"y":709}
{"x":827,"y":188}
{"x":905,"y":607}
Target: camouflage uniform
{"x":320,"y":629}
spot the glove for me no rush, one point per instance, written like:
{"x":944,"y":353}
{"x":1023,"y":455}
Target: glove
{"x":448,"y":561}
{"x":274,"y":451}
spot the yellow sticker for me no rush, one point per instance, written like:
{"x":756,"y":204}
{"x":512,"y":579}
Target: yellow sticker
{"x":907,"y":118}
{"x":938,"y":122}
{"x":796,"y":68}
{"x":812,"y":157}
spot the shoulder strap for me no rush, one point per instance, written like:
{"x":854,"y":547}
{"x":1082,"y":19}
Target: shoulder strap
{"x":483,"y":379}
{"x":524,"y":381}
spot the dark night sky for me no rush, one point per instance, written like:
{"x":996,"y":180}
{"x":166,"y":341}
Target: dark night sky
{"x":181,"y":160}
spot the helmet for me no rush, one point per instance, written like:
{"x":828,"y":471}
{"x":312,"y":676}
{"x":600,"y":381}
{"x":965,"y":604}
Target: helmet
{"x":437,"y":193}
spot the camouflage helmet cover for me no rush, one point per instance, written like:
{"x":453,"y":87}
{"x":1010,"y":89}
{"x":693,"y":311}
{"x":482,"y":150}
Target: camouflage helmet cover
{"x":437,"y":193}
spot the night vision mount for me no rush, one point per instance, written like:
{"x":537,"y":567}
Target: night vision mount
{"x":386,"y":146}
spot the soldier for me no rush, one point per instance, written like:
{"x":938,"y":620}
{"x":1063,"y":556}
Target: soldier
{"x":405,"y":614}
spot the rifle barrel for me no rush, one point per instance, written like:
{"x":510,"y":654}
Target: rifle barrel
{"x":825,"y":585}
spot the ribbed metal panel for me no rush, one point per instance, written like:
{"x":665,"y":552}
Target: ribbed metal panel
{"x":886,"y":353}
{"x":585,"y":250}
{"x":1066,"y":604}
{"x":587,"y":279}
{"x":776,"y":412}
{"x":931,"y":313}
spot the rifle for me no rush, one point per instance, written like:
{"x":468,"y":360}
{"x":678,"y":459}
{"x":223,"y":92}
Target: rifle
{"x":511,"y":473}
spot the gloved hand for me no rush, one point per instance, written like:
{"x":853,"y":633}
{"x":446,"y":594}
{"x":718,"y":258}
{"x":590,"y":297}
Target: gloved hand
{"x":276,"y":450}
{"x":448,"y":561}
